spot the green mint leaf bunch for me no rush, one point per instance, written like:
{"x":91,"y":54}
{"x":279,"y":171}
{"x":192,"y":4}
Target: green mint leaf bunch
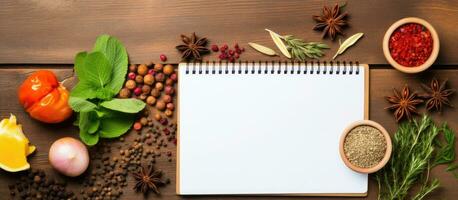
{"x":101,"y":74}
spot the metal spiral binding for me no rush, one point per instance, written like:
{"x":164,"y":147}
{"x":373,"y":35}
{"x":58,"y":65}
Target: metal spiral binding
{"x":274,"y":67}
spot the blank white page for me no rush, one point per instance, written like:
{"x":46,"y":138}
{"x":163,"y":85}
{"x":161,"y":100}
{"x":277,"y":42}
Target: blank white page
{"x":267,"y":133}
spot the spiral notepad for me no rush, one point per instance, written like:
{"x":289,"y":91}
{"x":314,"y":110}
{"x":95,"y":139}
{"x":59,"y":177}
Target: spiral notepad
{"x":268,"y":128}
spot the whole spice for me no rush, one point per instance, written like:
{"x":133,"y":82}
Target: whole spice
{"x":404,"y":103}
{"x":417,"y":148}
{"x":35,"y":184}
{"x":193,"y":47}
{"x":437,"y":95}
{"x":168,"y":69}
{"x":331,"y":21}
{"x":130,"y":84}
{"x":347,"y":43}
{"x":158,"y":67}
{"x":365,"y":146}
{"x":163,"y":57}
{"x":148,"y":79}
{"x":411,"y":45}
{"x":139,"y":79}
{"x":230,"y":55}
{"x":148,"y":179}
{"x":124,"y":93}
{"x":142,"y":69}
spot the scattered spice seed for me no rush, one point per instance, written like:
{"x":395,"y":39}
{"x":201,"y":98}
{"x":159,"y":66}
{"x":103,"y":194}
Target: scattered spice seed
{"x":163,"y":57}
{"x":365,"y":146}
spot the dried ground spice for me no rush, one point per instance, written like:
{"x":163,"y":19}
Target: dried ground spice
{"x":365,"y":146}
{"x":411,"y":45}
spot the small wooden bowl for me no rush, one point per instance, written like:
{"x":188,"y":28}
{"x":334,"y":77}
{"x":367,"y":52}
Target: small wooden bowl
{"x":432,"y":57}
{"x":385,"y":158}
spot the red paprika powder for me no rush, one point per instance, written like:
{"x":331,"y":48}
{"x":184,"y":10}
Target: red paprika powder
{"x":411,"y":45}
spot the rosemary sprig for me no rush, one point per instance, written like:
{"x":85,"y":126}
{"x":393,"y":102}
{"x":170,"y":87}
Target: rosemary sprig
{"x":297,"y":48}
{"x":300,"y":49}
{"x":417,"y":148}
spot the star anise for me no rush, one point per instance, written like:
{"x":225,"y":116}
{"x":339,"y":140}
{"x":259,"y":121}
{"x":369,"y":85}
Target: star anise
{"x":193,"y":47}
{"x":330,"y":21}
{"x":437,"y":95}
{"x":147,"y":178}
{"x":404,"y":103}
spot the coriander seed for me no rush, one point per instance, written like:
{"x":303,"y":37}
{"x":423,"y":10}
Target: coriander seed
{"x":130,"y":84}
{"x":168,"y":69}
{"x":148,"y":79}
{"x":365,"y":146}
{"x":139,"y":79}
{"x":158,"y":67}
{"x":142,"y":69}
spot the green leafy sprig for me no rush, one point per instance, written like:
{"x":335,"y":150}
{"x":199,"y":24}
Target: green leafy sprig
{"x":296,"y":48}
{"x":101,"y":74}
{"x":300,"y":49}
{"x":417,"y":148}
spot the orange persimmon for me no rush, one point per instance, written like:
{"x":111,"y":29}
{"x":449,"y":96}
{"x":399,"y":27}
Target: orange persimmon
{"x":44,"y":98}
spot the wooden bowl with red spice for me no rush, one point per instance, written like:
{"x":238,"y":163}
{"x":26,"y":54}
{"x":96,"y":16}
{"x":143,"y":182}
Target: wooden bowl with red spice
{"x":365,"y":146}
{"x":411,"y":45}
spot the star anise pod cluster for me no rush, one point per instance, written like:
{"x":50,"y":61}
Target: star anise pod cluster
{"x":331,"y":21}
{"x":148,"y":179}
{"x":437,"y":95}
{"x":193,"y":47}
{"x":404,"y":103}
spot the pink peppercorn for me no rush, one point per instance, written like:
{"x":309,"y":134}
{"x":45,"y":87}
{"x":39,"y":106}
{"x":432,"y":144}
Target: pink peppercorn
{"x":131,"y":75}
{"x":137,"y":126}
{"x":152,"y":72}
{"x":163,"y":57}
{"x":137,"y":91}
{"x":214,"y":48}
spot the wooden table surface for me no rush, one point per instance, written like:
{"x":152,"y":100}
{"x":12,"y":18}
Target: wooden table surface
{"x":46,"y":34}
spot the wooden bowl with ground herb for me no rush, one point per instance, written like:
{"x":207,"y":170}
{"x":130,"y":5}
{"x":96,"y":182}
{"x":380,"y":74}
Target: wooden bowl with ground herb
{"x":365,"y":146}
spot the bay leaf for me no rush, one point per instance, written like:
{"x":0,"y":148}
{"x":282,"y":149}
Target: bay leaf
{"x":279,"y":42}
{"x":348,"y":43}
{"x":263,"y":49}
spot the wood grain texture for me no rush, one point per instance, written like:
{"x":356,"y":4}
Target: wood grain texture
{"x":53,"y":31}
{"x":381,"y":83}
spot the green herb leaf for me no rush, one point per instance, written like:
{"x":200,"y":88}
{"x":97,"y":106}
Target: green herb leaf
{"x":300,"y":49}
{"x":124,"y":105}
{"x":79,"y":62}
{"x":116,"y":54}
{"x":263,"y":49}
{"x":89,"y":139}
{"x":81,"y":105}
{"x":84,"y":90}
{"x":452,"y":167}
{"x":446,"y":151}
{"x":88,"y":121}
{"x":348,"y":43}
{"x":278,"y":41}
{"x":96,"y":70}
{"x":104,"y":94}
{"x":414,"y":152}
{"x":113,"y":127}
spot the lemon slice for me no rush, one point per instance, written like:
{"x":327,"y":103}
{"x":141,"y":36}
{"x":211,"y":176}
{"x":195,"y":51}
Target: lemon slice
{"x":14,"y":146}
